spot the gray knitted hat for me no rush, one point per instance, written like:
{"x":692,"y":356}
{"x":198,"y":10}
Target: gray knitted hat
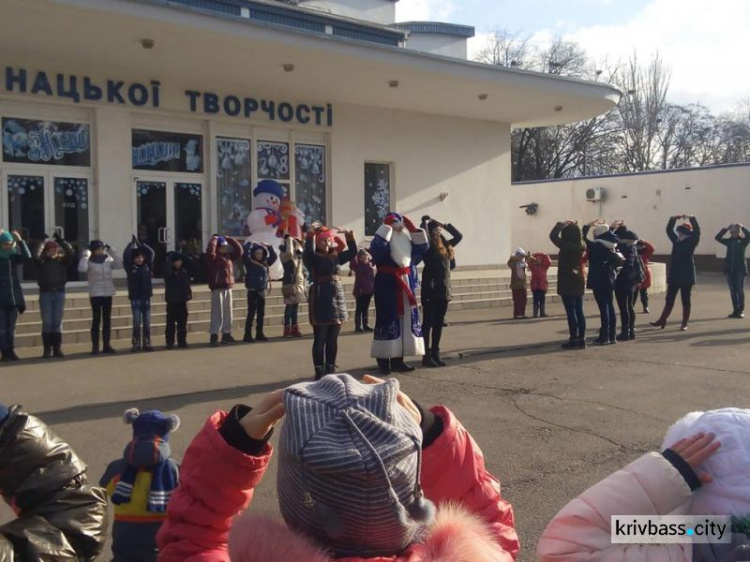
{"x":350,"y":460}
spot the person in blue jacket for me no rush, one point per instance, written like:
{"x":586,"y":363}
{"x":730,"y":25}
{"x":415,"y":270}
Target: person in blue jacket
{"x":257,"y":258}
{"x":138,"y":259}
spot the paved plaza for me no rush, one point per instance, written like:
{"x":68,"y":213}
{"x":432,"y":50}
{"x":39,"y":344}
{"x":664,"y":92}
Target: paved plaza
{"x":550,"y":422}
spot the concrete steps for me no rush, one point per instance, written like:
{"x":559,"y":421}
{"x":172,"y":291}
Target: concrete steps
{"x":471,"y":290}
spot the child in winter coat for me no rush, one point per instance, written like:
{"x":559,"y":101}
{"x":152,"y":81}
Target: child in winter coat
{"x":646,"y":252}
{"x":361,"y":470}
{"x":138,"y":259}
{"x":518,"y":282}
{"x":177,"y":293}
{"x":13,"y":252}
{"x":701,"y":471}
{"x":539,"y":264}
{"x":220,"y":256}
{"x":257,"y":259}
{"x":293,"y":285}
{"x":98,"y":262}
{"x":140,"y":485}
{"x":364,"y":287}
{"x":53,"y":258}
{"x":59,"y":515}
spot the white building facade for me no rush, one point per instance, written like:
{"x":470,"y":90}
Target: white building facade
{"x":124,"y":117}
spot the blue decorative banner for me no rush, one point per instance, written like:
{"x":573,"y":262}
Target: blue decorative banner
{"x":168,"y":152}
{"x":46,"y":142}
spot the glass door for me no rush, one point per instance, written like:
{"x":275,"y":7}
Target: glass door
{"x":71,"y":215}
{"x":40,"y":204}
{"x":169,"y":216}
{"x":151,"y":219}
{"x":27,"y":212}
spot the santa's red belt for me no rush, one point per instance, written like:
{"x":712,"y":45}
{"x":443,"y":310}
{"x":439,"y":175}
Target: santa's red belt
{"x":398,"y":273}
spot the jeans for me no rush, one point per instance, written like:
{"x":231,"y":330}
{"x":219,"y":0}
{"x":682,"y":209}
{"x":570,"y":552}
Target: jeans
{"x":625,"y":302}
{"x":540,"y":298}
{"x":51,"y":306}
{"x":256,"y":305}
{"x":519,"y":302}
{"x":576,"y":317}
{"x":432,"y":325}
{"x":8,"y":317}
{"x":325,"y":344}
{"x":290,"y":314}
{"x":605,"y":299}
{"x":101,"y":314}
{"x":141,"y":319}
{"x":737,"y":290}
{"x":177,"y":316}
{"x":361,"y":316}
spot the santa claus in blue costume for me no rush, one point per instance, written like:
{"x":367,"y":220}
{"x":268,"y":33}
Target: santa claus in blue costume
{"x":397,"y":248}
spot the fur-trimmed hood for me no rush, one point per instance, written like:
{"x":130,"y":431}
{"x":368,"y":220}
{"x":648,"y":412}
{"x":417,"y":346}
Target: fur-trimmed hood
{"x":456,"y":536}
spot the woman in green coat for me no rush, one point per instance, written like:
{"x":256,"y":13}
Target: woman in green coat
{"x":13,"y":252}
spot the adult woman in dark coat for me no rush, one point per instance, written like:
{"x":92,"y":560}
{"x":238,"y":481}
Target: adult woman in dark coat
{"x":571,"y":281}
{"x":603,"y":261}
{"x":436,"y":288}
{"x":627,"y":280}
{"x":323,"y":257}
{"x":681,"y":276}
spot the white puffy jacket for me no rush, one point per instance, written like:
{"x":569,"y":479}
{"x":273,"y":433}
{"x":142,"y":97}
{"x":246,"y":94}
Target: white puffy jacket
{"x":100,"y":279}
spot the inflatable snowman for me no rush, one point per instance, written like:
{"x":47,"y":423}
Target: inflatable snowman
{"x":265,"y":220}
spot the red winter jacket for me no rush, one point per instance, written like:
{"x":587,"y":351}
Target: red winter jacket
{"x":221,"y":266}
{"x":474,"y":523}
{"x":646,"y":255}
{"x":539,"y":266}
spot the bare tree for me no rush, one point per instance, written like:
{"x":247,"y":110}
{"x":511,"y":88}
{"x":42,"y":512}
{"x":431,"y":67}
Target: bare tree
{"x":506,"y":49}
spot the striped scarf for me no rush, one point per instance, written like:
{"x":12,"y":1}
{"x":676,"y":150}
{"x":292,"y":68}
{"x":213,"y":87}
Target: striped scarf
{"x":164,"y":478}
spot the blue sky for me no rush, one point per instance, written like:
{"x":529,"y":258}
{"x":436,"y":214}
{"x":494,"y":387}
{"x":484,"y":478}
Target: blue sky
{"x":704,"y":43}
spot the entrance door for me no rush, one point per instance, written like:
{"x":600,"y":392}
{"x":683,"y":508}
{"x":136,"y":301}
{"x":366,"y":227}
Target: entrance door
{"x":170,"y":217}
{"x":39,"y":204}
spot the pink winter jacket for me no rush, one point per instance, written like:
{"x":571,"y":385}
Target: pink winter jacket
{"x":581,"y":531}
{"x":474,"y":523}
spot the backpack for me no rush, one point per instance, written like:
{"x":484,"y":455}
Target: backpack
{"x":638,"y":273}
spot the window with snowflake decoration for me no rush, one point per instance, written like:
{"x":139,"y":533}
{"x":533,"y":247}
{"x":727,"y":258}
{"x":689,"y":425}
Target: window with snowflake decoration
{"x":234,"y":181}
{"x":377,"y":195}
{"x":310,"y":176}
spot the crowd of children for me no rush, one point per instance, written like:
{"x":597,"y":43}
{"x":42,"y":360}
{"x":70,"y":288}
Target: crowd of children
{"x":364,"y":473}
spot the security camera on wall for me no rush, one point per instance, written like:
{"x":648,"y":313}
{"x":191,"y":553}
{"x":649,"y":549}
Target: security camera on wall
{"x":595,"y":194}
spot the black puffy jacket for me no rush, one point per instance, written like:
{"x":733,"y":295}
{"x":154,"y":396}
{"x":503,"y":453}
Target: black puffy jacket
{"x":60,"y":516}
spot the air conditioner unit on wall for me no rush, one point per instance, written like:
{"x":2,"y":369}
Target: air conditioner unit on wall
{"x":596,"y":194}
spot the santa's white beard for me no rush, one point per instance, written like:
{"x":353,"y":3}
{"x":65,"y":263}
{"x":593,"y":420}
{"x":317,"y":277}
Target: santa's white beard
{"x":401,"y":248}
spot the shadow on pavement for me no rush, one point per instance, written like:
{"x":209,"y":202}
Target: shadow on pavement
{"x":108,"y":410}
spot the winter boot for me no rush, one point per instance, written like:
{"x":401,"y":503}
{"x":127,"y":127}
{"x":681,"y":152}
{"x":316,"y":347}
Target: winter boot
{"x":319,"y":372}
{"x":248,"y":338}
{"x":95,"y":343}
{"x":295,"y":332}
{"x":366,"y":323}
{"x":436,"y":357}
{"x":136,"y":344}
{"x":47,"y":345}
{"x":214,"y":340}
{"x":358,"y":324}
{"x":543,"y":309}
{"x":147,"y":344}
{"x":572,"y":344}
{"x":385,"y":366}
{"x":400,"y":366}
{"x":259,"y":335}
{"x":662,"y":321}
{"x":182,"y":343}
{"x":582,"y":343}
{"x":428,"y":361}
{"x":331,"y":369}
{"x":57,"y":345}
{"x":12,"y":355}
{"x":623,"y":336}
{"x":287,"y":331}
{"x":685,"y":318}
{"x":536,"y":310}
{"x":227,"y":339}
